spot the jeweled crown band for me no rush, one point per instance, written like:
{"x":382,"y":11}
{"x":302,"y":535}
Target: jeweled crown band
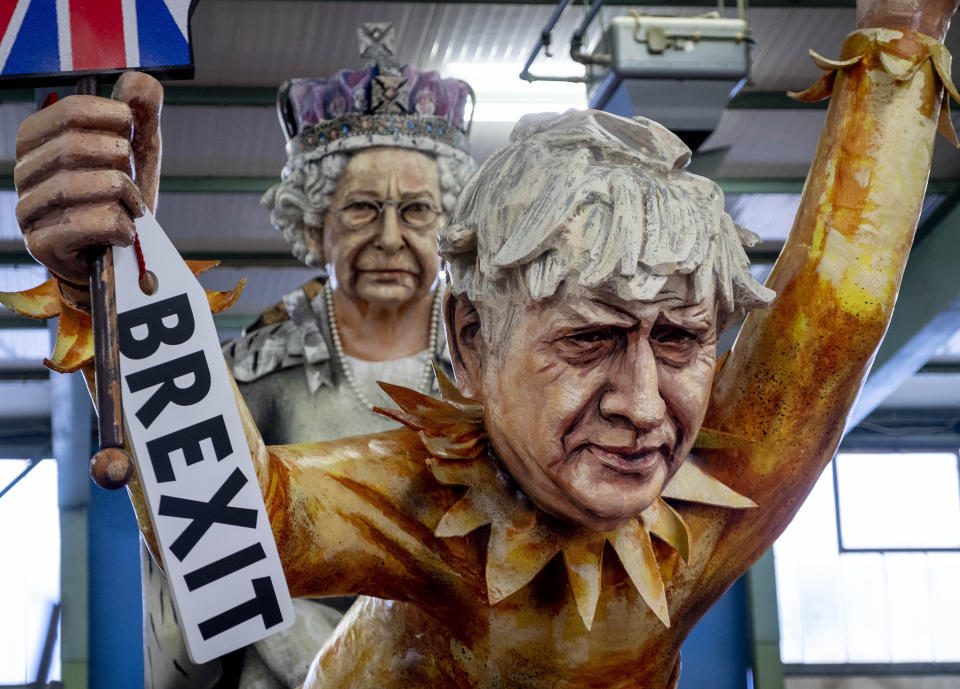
{"x":323,"y":134}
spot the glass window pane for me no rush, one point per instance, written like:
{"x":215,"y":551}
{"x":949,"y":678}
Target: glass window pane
{"x":943,"y":573}
{"x":899,"y":500}
{"x":866,"y":610}
{"x":30,"y":575}
{"x":809,"y":589}
{"x":909,"y":605}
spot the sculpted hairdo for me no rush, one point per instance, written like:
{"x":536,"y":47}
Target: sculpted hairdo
{"x":603,"y":201}
{"x":300,"y":200}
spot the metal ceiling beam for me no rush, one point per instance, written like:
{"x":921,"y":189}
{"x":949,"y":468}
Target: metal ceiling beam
{"x":788,"y":4}
{"x":12,"y":253}
{"x":11,"y":321}
{"x":927,"y":313}
{"x":217,"y":184}
{"x":180,"y":95}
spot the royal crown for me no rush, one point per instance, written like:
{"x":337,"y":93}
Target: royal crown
{"x":384,"y":104}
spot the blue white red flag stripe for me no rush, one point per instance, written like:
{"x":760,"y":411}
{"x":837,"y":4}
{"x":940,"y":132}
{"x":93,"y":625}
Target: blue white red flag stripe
{"x":57,"y":36}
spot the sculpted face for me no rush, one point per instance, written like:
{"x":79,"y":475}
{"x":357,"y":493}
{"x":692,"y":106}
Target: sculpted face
{"x":386,"y":263}
{"x":593,"y":402}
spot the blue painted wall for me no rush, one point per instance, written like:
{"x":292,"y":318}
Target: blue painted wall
{"x":716,"y":655}
{"x":116,"y":638}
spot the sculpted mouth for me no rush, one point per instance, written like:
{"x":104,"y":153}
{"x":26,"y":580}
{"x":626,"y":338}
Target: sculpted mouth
{"x":629,"y":460}
{"x":387,"y":271}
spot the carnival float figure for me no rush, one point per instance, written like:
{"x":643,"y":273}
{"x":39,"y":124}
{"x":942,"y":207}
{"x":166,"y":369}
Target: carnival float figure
{"x":595,"y":479}
{"x":376,"y":159}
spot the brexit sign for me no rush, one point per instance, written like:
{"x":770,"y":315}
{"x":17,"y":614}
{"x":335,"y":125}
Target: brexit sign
{"x":192,"y":456}
{"x":49,"y":41}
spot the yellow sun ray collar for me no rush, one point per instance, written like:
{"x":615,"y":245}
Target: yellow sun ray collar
{"x":523,"y":539}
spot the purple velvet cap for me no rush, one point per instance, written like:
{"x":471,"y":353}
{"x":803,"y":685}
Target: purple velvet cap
{"x":358,"y":109}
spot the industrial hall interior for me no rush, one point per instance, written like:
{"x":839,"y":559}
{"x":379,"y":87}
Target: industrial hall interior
{"x":479,"y":344}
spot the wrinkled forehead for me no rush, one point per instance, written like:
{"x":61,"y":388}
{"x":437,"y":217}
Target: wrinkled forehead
{"x":576,"y":305}
{"x":677,"y":296}
{"x":380,"y":169}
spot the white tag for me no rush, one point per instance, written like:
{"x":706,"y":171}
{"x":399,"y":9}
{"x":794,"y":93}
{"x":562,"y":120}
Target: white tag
{"x":192,"y":455}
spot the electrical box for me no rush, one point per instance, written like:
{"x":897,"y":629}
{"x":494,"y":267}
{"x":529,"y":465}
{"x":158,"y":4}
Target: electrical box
{"x":652,"y":47}
{"x":679,"y":71}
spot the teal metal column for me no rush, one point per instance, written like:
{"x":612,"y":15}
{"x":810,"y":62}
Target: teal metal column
{"x":70,"y":422}
{"x":765,"y":624}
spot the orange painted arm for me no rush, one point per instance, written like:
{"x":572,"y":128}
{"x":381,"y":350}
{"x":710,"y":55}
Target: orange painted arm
{"x":796,"y":369}
{"x":344,"y":522}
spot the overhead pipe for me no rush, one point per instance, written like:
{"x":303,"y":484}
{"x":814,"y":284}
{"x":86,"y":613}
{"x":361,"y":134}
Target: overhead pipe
{"x":546,"y":38}
{"x":576,"y":41}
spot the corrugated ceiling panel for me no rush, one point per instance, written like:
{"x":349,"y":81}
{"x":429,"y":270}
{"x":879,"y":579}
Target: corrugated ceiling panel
{"x":766,"y":143}
{"x":231,"y":141}
{"x":9,"y":230}
{"x":781,"y":143}
{"x":225,"y":222}
{"x":768,"y":215}
{"x":258,"y":43}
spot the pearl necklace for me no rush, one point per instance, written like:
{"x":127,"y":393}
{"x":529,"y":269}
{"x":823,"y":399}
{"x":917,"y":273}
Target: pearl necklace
{"x":425,"y":378}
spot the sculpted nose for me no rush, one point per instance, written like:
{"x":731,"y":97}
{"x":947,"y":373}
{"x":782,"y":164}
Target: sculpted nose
{"x":634,"y":389}
{"x":390,"y":238}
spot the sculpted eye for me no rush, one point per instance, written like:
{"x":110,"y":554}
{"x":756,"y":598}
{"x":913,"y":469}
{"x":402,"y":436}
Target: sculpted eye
{"x":672,"y":334}
{"x":587,"y":345}
{"x":673,"y":345}
{"x":590,"y":336}
{"x":361,"y":208}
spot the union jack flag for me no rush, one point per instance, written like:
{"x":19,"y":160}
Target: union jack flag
{"x":47,"y":40}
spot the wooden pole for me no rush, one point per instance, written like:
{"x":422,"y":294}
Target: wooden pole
{"x":111,"y":467}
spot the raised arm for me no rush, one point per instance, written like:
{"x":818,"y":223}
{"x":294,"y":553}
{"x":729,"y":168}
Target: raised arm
{"x":796,"y":369}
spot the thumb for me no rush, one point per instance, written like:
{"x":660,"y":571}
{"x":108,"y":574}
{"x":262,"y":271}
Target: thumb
{"x":144,"y":95}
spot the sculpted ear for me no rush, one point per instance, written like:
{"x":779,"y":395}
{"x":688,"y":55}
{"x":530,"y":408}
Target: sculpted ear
{"x":465,"y":342}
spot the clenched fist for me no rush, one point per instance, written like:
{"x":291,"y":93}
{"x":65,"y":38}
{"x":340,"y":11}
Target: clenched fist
{"x":86,"y":167}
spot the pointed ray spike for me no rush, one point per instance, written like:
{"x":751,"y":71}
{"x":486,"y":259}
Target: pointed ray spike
{"x":220,"y":301}
{"x":633,"y":547}
{"x":899,"y":68}
{"x":709,"y":438}
{"x":945,"y":124}
{"x":454,"y":448}
{"x":448,"y":389}
{"x":198,"y":267}
{"x":399,"y":416}
{"x":942,"y":63}
{"x":434,"y":416}
{"x":693,"y":484}
{"x":410,"y":400}
{"x":829,"y":65}
{"x":74,"y":346}
{"x":666,"y":523}
{"x":584,"y":562}
{"x":465,"y":516}
{"x":820,"y":90}
{"x":454,"y":473}
{"x":515,"y":556}
{"x":42,"y":301}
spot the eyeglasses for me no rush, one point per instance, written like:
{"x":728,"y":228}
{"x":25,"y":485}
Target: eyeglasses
{"x":416,"y":214}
